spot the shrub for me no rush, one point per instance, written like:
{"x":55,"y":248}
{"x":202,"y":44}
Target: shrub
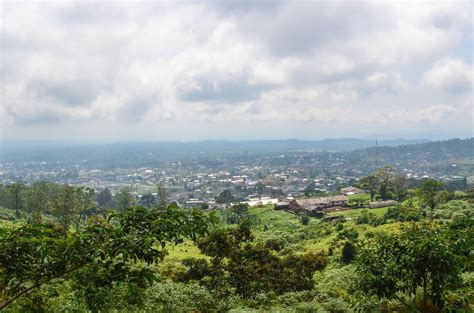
{"x":7,"y":214}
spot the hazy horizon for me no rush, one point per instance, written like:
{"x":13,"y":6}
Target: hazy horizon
{"x":365,"y":140}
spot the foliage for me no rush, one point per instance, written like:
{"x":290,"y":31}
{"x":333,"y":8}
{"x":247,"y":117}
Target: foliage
{"x":359,"y":200}
{"x":369,"y":183}
{"x":454,"y":209}
{"x":105,"y":199}
{"x":304,"y":218}
{"x":248,"y":268}
{"x":33,"y":255}
{"x":124,"y":199}
{"x":162,"y":194}
{"x":348,"y":253}
{"x":400,"y":185}
{"x":367,"y":217}
{"x":424,"y":258}
{"x":255,"y":257}
{"x":236,"y":214}
{"x":225,"y":197}
{"x":7,"y":214}
{"x":384,"y":177}
{"x":408,"y":210}
{"x":428,"y":190}
{"x":179,"y":297}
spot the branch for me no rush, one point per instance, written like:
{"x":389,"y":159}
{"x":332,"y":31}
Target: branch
{"x":39,"y":284}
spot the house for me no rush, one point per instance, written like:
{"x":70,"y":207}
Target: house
{"x":351,"y":191}
{"x":311,"y":206}
{"x":382,"y":204}
{"x":323,"y":202}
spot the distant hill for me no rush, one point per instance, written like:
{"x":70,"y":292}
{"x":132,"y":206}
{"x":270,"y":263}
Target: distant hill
{"x":450,"y":156}
{"x":447,"y":156}
{"x":34,"y":151}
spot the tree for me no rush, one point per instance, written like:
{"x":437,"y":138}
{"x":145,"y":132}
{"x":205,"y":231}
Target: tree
{"x":260,"y":187}
{"x":124,"y":199}
{"x":384,"y":177}
{"x":105,"y":199}
{"x":409,"y":210}
{"x":148,"y":200}
{"x":400,"y":185}
{"x":225,"y":197}
{"x":309,"y":189}
{"x":40,"y":196}
{"x":85,"y":203}
{"x":427,"y":191}
{"x":104,"y":252}
{"x":16,"y":199}
{"x":277,"y":193}
{"x":162,"y":193}
{"x":348,"y":253}
{"x":425,"y":256}
{"x":442,"y":197}
{"x":65,"y":205}
{"x":369,"y":183}
{"x":249,"y":269}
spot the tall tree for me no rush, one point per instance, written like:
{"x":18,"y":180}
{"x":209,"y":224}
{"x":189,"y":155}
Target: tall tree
{"x":105,"y":199}
{"x":427,"y":191}
{"x":309,"y":189}
{"x":85,"y":203}
{"x":16,"y":197}
{"x":260,"y":187}
{"x":65,"y":205}
{"x":40,"y":197}
{"x":400,"y":185}
{"x":3,"y":196}
{"x":162,"y":194}
{"x":147,"y":200}
{"x":369,"y":183}
{"x":225,"y":197}
{"x":384,"y":176}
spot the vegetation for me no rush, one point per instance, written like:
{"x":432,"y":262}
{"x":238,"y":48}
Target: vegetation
{"x":64,"y":249}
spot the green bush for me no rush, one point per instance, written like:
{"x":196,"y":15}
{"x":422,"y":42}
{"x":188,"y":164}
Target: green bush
{"x":178,"y":297}
{"x":7,"y":214}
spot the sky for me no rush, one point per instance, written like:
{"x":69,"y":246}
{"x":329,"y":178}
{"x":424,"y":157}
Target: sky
{"x":195,"y":70}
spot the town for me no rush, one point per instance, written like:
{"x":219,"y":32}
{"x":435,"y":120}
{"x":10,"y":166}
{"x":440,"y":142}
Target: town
{"x":253,"y":177}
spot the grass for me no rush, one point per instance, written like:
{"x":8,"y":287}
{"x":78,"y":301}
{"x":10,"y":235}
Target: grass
{"x":279,"y":220}
{"x":187,"y":249}
{"x":356,"y":212}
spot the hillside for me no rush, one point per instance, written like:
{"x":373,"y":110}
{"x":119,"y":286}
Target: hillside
{"x":455,"y":156}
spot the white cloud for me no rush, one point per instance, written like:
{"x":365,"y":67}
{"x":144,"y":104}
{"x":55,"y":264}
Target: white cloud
{"x":286,"y":61}
{"x":451,"y":74}
{"x":385,"y":82}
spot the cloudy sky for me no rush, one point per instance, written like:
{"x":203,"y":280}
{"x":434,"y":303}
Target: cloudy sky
{"x":187,"y":70}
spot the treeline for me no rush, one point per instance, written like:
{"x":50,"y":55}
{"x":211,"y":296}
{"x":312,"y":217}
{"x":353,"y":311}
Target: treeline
{"x":69,"y":205}
{"x":388,"y":185}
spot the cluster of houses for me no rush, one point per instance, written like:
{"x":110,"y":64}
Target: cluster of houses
{"x":319,"y":206}
{"x":315,"y":207}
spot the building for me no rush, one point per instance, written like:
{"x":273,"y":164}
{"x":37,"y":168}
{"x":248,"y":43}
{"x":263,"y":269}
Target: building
{"x":351,"y":191}
{"x":312,"y":206}
{"x":382,"y":204}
